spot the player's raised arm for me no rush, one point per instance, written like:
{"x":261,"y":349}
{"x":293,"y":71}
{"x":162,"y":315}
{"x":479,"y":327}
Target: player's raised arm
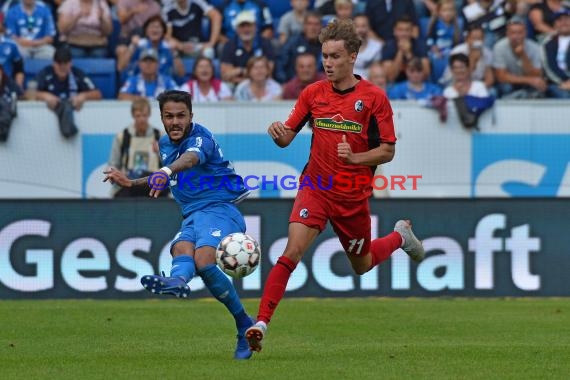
{"x":156,"y":182}
{"x":186,"y":161}
{"x":117,"y":177}
{"x":281,"y":134}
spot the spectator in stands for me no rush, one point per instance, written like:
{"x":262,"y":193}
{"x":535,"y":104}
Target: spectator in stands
{"x":370,"y":49}
{"x":291,"y":23}
{"x":343,"y":9}
{"x":203,"y":86}
{"x":184,"y":20}
{"x":383,"y":15}
{"x":491,"y":15}
{"x":400,"y":50}
{"x":480,"y":58}
{"x":324,"y":7}
{"x":541,"y":17}
{"x":85,"y":25}
{"x":443,"y":31}
{"x":135,"y":150}
{"x":231,"y":9}
{"x":149,"y":82}
{"x":377,"y":75}
{"x":327,"y":8}
{"x":259,"y":86}
{"x":517,"y":63}
{"x":246,"y":44}
{"x":132,"y":14}
{"x":30,"y":24}
{"x":9,"y":94}
{"x":10,"y":58}
{"x":462,"y":83}
{"x":305,"y":42}
{"x":154,"y":33}
{"x":65,"y":88}
{"x":556,"y":57}
{"x":306,"y":73}
{"x":415,"y":87}
{"x":425,"y":8}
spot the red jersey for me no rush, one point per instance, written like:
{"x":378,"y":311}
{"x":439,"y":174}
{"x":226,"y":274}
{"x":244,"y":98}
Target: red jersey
{"x":362,"y":113}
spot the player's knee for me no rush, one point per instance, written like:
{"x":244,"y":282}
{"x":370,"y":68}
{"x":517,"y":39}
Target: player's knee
{"x":182,"y":248}
{"x":360,"y":269}
{"x":294,"y":254}
{"x":203,"y":261}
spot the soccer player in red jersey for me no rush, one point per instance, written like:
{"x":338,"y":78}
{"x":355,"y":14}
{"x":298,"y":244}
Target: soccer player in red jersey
{"x":353,"y":132}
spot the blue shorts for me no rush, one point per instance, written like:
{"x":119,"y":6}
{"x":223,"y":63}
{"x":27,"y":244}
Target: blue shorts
{"x":210,"y":225}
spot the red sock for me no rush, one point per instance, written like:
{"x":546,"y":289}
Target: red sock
{"x":382,"y":248}
{"x":275,"y":288}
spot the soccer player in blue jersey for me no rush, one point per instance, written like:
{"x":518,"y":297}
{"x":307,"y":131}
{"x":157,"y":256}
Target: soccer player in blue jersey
{"x":191,"y":154}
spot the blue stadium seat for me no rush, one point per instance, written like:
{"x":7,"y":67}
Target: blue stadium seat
{"x":278,"y":7}
{"x":33,"y":66}
{"x":438,"y":66}
{"x":205,"y":30}
{"x":217,"y":3}
{"x":114,"y":37}
{"x":101,"y":71}
{"x":424,"y":24}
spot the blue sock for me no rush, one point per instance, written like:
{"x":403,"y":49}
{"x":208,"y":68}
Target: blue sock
{"x":224,"y":291}
{"x":184,"y":267}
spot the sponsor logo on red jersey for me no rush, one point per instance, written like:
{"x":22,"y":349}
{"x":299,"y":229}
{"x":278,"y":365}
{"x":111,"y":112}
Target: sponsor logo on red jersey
{"x":337,"y":122}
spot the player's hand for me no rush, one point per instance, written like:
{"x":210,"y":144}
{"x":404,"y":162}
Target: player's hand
{"x":158,"y":184}
{"x":277,"y":130}
{"x":117,"y":177}
{"x":345,"y":151}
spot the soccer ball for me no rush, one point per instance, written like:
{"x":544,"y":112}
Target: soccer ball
{"x":238,"y":255}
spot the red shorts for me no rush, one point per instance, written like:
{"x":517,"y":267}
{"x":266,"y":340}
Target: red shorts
{"x":350,"y":220}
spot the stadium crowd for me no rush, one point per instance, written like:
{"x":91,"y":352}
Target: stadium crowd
{"x":251,"y":50}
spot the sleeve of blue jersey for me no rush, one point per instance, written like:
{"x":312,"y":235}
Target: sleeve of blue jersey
{"x":200,"y":145}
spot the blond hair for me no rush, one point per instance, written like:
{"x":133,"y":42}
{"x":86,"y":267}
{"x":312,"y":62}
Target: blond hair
{"x":140,"y":104}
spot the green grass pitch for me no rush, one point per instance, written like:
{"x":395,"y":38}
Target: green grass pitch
{"x":364,"y":338}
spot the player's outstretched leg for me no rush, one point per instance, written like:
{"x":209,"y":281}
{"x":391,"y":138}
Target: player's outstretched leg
{"x":182,"y":271}
{"x":412,"y":246}
{"x":224,"y":291}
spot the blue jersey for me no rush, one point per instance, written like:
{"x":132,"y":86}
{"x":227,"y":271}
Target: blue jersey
{"x":10,"y":58}
{"x":403,"y":91}
{"x":38,"y":25}
{"x":231,"y":8}
{"x":136,"y":85}
{"x":165,"y":57}
{"x":212,"y":181}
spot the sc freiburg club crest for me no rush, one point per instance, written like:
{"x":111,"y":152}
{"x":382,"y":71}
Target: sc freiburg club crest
{"x":358,"y":105}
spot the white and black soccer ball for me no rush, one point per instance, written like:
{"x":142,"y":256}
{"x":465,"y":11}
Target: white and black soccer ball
{"x":238,"y":255}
